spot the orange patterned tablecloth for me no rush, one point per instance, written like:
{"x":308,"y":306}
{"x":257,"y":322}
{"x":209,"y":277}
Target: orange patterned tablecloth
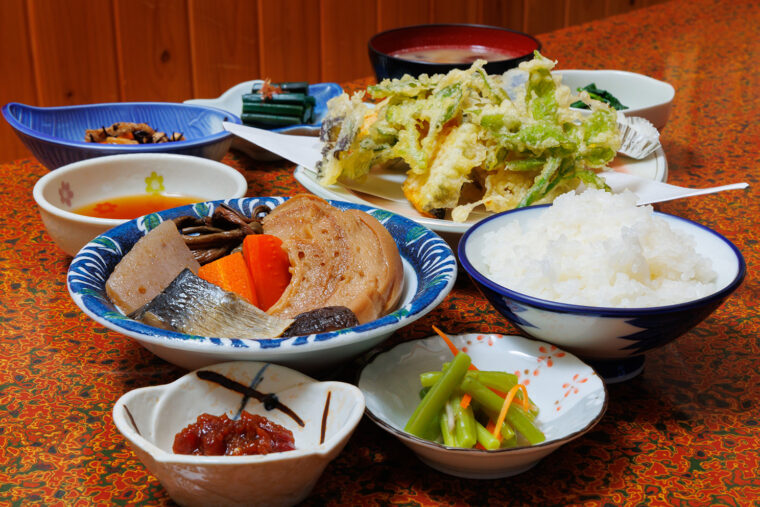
{"x":685,"y":432}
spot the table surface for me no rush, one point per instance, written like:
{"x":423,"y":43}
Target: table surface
{"x":686,"y":431}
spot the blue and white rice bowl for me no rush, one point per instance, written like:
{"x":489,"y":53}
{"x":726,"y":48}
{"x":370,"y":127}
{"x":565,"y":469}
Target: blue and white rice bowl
{"x":430,"y":270}
{"x":614,"y":340}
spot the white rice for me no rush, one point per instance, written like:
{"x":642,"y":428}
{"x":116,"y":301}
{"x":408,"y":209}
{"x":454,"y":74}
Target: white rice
{"x":598,"y":249}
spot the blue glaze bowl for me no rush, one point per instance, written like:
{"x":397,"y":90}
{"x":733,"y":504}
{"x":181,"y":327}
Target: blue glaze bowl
{"x":430,"y":270}
{"x":55,"y":135}
{"x":613,"y":340}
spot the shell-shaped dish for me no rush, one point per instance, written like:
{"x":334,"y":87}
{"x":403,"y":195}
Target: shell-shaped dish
{"x":55,"y":135}
{"x":232,"y":101}
{"x":430,"y":270}
{"x":569,"y":394}
{"x":150,"y":417}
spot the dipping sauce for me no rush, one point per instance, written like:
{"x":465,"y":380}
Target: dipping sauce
{"x":133,"y":206}
{"x":214,"y":435}
{"x":454,"y":54}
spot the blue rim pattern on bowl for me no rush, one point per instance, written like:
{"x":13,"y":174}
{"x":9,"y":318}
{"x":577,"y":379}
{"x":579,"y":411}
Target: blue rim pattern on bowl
{"x":654,"y":323}
{"x":91,"y":267}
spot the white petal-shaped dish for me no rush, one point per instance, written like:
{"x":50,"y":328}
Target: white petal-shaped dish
{"x":644,"y":96}
{"x":150,"y":417}
{"x":570,"y":396}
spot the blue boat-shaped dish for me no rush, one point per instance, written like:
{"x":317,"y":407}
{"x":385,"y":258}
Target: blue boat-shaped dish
{"x":55,"y":135}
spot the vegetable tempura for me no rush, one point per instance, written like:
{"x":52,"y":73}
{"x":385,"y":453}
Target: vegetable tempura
{"x":465,"y":143}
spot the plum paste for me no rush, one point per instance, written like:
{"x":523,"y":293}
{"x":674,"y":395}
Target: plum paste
{"x":213,"y":435}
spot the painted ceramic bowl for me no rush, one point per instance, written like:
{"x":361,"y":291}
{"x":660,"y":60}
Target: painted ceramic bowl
{"x":55,"y":135}
{"x":444,"y":47}
{"x":321,"y":415}
{"x":570,"y":396}
{"x":430,"y":270}
{"x":645,"y":97}
{"x":60,"y":193}
{"x":614,"y":340}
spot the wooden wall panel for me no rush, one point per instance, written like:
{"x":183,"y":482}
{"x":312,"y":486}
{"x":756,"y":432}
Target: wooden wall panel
{"x":543,"y":16}
{"x":289,"y":38}
{"x":396,"y":13}
{"x":344,"y":50}
{"x":154,"y":50}
{"x":16,"y":70}
{"x":60,"y":52}
{"x":582,"y":11}
{"x":224,"y":43}
{"x":504,"y":13}
{"x":73,"y":50}
{"x":456,"y":11}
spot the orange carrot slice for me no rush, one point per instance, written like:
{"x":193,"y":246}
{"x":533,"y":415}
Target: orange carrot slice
{"x":507,"y":402}
{"x":269,"y":266}
{"x":231,"y":274}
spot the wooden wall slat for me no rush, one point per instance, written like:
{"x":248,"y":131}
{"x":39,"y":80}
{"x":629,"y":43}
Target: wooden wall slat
{"x":457,"y":11}
{"x":582,"y":11}
{"x":18,"y":83}
{"x":543,"y":16}
{"x":83,"y":51}
{"x":73,"y":51}
{"x":503,"y":13}
{"x":344,"y":50}
{"x":153,"y":43}
{"x":289,"y":40}
{"x":224,"y":40}
{"x":396,"y":13}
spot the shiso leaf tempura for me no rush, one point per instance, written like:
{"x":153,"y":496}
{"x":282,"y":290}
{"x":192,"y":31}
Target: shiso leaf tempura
{"x":463,"y":142}
{"x":464,"y":407}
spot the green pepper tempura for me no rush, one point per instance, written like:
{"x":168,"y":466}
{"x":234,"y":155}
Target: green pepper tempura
{"x":464,"y":142}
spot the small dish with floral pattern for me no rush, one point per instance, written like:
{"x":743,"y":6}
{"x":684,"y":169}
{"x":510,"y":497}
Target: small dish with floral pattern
{"x":570,"y":396}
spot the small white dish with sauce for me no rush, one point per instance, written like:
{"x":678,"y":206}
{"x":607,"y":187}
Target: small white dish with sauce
{"x":150,"y":417}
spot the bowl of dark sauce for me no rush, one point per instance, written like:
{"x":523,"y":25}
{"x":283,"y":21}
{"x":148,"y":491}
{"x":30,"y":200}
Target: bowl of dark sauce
{"x":439,"y":48}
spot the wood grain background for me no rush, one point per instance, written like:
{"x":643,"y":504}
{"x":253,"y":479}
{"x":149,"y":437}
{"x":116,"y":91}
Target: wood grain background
{"x":82,"y":51}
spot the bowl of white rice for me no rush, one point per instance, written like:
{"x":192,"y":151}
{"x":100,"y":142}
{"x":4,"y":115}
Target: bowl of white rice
{"x":597,"y":275}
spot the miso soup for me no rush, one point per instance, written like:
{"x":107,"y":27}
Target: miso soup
{"x":454,"y":54}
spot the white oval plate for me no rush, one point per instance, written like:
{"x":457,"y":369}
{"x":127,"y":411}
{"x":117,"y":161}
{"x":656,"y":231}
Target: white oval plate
{"x":388,"y":184}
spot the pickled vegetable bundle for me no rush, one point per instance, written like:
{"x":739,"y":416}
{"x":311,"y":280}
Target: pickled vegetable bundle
{"x":278,"y":105}
{"x":464,"y":142}
{"x":464,"y":407}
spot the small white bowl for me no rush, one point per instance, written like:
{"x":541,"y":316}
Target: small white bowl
{"x":569,"y":394}
{"x":150,"y":417}
{"x":81,"y":183}
{"x":645,"y":97}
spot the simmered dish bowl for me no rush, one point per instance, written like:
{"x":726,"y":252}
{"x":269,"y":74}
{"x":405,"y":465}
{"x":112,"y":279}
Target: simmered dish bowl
{"x":694,"y":266}
{"x":429,"y":271}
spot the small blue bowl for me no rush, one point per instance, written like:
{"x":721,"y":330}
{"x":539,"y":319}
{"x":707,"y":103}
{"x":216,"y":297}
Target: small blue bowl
{"x":55,"y":135}
{"x":613,"y":340}
{"x":430,"y":270}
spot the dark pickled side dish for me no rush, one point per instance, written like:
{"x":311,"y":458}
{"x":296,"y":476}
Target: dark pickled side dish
{"x":251,"y":434}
